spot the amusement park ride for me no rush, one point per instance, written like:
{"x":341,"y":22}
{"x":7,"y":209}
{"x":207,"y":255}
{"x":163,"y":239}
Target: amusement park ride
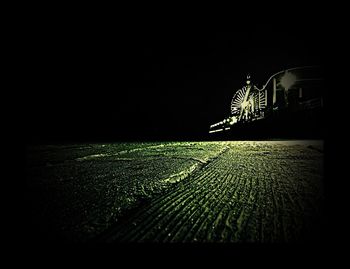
{"x":286,"y":92}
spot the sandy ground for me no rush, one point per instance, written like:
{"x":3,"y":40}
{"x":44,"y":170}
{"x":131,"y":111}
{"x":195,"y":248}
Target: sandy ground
{"x":243,"y":191}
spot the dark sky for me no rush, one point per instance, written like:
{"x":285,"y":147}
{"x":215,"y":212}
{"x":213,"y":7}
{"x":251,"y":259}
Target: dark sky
{"x":126,"y":81}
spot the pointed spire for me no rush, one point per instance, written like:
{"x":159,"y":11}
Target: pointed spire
{"x":248,"y":79}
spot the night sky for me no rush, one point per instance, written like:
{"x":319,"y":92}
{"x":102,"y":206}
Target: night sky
{"x":140,"y":81}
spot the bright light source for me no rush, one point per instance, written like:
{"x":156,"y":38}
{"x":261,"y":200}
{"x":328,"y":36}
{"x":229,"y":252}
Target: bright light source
{"x":233,"y":120}
{"x":245,"y":104}
{"x":288,"y":80}
{"x":215,"y":131}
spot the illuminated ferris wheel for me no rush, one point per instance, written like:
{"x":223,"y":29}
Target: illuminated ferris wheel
{"x":248,"y":102}
{"x":237,"y":101}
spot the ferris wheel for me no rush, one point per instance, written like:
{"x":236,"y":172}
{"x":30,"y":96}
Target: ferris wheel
{"x":247,"y":102}
{"x":237,"y":101}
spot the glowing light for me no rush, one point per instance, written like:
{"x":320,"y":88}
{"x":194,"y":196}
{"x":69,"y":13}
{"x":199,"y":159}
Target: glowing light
{"x":214,"y":131}
{"x":233,"y":120}
{"x":288,"y":80}
{"x":217,"y":124}
{"x":245,"y":104}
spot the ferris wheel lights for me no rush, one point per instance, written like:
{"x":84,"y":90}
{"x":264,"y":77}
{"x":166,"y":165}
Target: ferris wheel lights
{"x":233,"y":120}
